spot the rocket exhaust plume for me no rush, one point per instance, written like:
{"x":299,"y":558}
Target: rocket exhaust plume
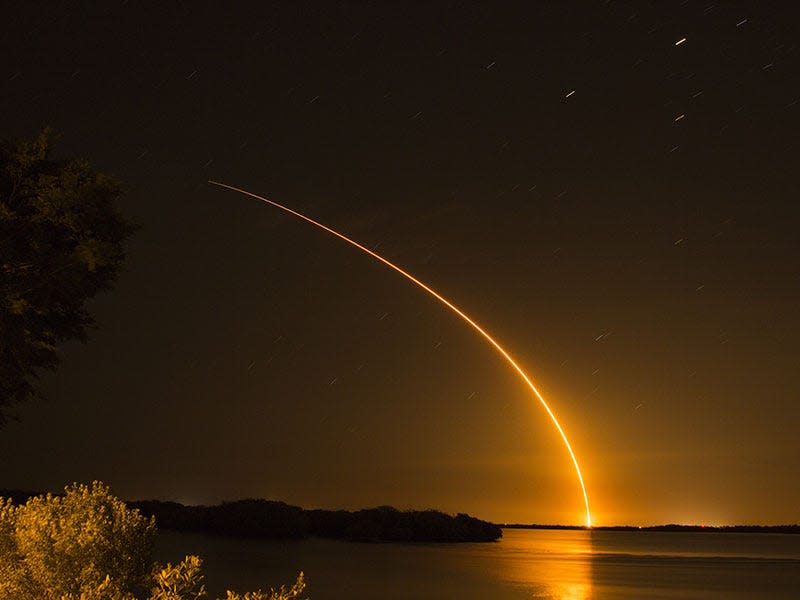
{"x":452,"y":307}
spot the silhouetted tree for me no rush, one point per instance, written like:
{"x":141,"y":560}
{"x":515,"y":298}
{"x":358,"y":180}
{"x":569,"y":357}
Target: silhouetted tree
{"x":61,"y":242}
{"x":257,"y":518}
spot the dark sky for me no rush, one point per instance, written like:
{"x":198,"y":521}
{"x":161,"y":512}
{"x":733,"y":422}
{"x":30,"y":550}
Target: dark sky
{"x":619,"y":209}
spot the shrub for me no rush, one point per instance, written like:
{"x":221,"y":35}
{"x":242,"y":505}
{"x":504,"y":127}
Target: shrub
{"x":88,"y":545}
{"x":85,"y":544}
{"x":292,"y":593}
{"x":184,"y":581}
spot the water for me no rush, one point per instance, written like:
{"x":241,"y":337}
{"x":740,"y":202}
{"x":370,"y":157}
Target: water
{"x":529,"y":564}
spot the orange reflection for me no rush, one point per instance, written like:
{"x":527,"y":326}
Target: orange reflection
{"x":548,"y":563}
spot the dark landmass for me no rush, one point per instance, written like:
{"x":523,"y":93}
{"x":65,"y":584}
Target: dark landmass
{"x":277,"y":520}
{"x":268,"y":519}
{"x":670,"y":527}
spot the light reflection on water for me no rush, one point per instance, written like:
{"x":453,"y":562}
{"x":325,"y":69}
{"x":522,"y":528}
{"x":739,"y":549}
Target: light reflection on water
{"x":556,"y":567}
{"x":524,"y":565}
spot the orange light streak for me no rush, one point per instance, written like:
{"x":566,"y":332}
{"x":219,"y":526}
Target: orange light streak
{"x":452,"y":307}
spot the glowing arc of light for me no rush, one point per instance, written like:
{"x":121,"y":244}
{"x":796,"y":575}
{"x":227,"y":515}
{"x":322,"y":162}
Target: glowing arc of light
{"x":449,"y":305}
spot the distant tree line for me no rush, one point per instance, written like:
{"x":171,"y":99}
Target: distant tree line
{"x":277,"y":520}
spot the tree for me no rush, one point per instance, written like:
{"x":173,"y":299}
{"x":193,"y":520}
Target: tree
{"x":61,"y":243}
{"x":88,"y":545}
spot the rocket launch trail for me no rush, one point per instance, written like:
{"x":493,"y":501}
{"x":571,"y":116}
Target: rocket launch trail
{"x":453,"y":308}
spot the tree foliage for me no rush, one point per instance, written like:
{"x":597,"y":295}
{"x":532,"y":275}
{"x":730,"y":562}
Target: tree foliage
{"x":61,"y":243}
{"x":88,"y":545}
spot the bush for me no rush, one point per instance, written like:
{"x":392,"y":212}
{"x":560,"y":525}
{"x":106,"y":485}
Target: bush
{"x":284,"y":593}
{"x":88,"y":545}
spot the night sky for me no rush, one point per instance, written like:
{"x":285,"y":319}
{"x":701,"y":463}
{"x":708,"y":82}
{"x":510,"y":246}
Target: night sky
{"x":619,"y":207}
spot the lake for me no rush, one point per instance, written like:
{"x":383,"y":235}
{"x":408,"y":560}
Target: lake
{"x":568,"y":565}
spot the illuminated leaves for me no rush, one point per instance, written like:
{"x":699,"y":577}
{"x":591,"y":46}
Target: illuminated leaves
{"x":84,"y":545}
{"x":292,"y":593}
{"x":88,"y":545}
{"x":184,"y":581}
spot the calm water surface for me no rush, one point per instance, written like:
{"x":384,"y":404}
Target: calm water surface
{"x":568,"y":565}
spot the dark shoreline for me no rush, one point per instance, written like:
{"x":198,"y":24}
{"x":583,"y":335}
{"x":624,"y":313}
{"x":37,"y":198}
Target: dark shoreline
{"x":790,"y":529}
{"x":278,"y":520}
{"x":267,"y":519}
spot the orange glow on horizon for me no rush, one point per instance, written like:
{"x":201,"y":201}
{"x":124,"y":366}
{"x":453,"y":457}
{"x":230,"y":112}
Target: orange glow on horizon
{"x":452,"y":307}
